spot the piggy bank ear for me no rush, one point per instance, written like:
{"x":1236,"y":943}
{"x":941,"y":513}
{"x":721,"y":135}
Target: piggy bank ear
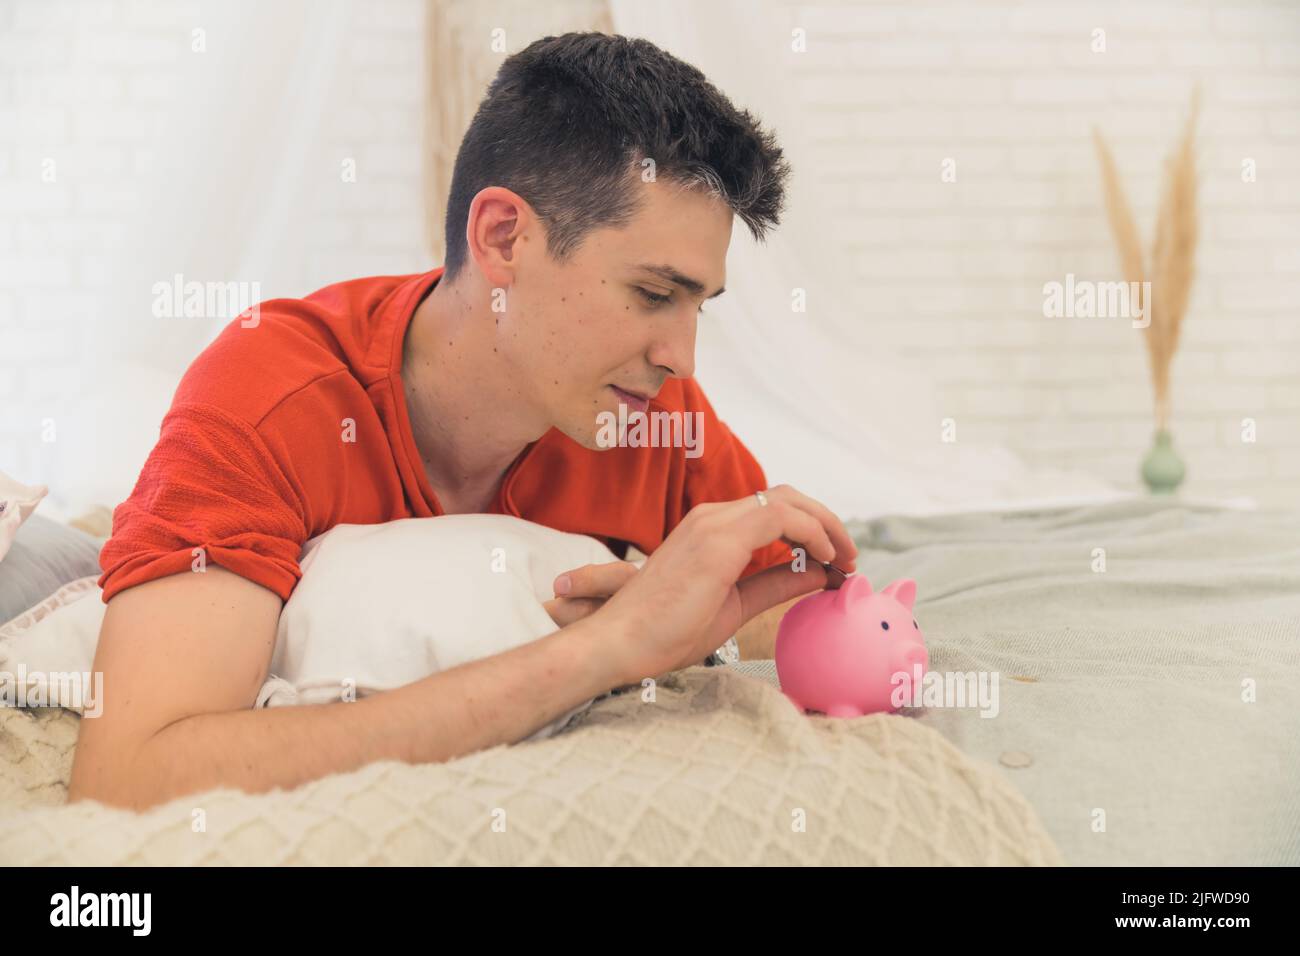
{"x":855,"y":588}
{"x":904,"y":592}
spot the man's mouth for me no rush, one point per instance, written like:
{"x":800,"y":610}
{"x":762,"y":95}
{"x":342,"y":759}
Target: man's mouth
{"x":635,"y":401}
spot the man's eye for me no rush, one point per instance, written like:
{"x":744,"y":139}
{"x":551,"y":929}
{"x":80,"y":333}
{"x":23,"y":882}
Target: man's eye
{"x":653,"y":298}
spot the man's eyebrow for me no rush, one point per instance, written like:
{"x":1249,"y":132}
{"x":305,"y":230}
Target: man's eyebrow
{"x":669,"y":274}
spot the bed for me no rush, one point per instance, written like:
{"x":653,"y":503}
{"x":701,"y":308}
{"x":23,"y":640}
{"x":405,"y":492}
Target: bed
{"x":1163,"y":690}
{"x":1147,"y":714}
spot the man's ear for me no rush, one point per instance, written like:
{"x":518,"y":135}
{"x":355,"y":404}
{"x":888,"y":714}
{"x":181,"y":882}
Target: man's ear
{"x":497,"y":218}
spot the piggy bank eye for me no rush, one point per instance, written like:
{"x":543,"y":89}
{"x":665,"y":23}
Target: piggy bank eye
{"x":915,"y":625}
{"x":885,"y":625}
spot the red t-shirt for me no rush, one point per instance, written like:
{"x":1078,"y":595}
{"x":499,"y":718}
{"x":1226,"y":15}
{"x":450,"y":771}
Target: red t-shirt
{"x":251,"y":459}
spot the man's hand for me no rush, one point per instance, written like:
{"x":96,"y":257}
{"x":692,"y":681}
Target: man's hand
{"x":583,"y":590}
{"x":686,"y":601}
{"x":587,"y":589}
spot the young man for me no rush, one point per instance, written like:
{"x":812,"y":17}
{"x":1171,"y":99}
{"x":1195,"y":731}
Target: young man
{"x":590,"y":213}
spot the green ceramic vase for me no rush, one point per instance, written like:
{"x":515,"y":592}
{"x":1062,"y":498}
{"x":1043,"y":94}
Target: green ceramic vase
{"x":1162,"y":469}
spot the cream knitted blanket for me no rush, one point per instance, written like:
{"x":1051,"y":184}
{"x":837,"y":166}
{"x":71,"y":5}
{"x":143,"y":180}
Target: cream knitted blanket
{"x":718,"y":769}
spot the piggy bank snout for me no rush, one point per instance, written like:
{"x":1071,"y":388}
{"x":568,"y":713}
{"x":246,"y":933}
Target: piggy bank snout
{"x":914,"y":655}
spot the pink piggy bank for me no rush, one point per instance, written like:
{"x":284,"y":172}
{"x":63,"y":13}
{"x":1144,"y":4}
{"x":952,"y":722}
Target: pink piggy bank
{"x":838,"y":651}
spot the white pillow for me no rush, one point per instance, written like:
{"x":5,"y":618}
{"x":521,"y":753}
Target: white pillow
{"x":378,"y":606}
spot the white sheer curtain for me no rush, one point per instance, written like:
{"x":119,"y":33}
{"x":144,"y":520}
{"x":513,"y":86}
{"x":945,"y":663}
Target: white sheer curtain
{"x":230,"y":156}
{"x":819,"y":403}
{"x":221,"y":204}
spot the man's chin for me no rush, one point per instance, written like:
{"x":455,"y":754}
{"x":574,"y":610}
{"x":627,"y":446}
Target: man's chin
{"x":588,"y":436}
{"x":601,"y":433}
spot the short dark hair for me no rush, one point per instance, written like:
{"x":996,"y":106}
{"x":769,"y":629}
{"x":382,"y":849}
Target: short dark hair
{"x":568,"y":120}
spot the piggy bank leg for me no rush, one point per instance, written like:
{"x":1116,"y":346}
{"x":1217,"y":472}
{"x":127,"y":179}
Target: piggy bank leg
{"x":844,"y":710}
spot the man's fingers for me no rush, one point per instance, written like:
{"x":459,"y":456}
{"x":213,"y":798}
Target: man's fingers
{"x":805,"y":530}
{"x":595,"y":580}
{"x":566,"y":611}
{"x":759,"y":526}
{"x":828,"y":526}
{"x":846,"y":552}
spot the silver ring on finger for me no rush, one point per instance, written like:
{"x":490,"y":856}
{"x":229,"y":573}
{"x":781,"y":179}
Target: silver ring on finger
{"x":762,"y":499}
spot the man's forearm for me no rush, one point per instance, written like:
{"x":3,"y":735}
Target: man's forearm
{"x":500,"y":699}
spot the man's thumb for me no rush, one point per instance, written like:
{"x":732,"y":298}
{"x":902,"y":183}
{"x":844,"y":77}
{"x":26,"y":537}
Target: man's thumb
{"x":774,"y":586}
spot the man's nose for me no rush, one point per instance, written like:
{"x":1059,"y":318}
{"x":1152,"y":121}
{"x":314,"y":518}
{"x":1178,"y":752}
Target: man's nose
{"x":674,"y":346}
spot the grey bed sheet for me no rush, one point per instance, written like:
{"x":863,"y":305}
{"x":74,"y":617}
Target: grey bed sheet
{"x":1125,"y":711}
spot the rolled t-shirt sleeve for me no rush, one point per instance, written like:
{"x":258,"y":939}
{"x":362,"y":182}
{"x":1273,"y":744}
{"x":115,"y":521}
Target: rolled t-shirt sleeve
{"x":726,"y":471}
{"x":210,"y":492}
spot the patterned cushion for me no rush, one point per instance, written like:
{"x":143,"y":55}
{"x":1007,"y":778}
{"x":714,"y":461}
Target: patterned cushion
{"x":45,"y":555}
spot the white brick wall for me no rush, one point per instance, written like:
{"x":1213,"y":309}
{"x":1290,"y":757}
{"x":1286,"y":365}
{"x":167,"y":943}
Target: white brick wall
{"x":951,"y":274}
{"x":88,"y":82}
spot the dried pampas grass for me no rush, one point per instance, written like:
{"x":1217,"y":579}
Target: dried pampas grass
{"x":1172,"y":254}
